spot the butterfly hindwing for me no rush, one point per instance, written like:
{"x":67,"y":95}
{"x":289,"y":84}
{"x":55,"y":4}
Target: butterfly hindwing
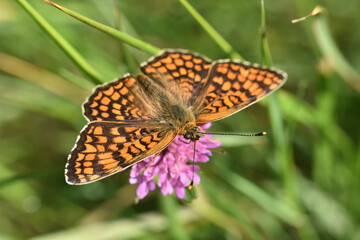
{"x":104,"y":148}
{"x":232,"y":86}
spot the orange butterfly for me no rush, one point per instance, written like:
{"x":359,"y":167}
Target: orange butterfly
{"x":133,"y":118}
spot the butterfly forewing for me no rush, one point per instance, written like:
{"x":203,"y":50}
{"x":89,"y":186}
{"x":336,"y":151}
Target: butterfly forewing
{"x":104,"y":148}
{"x":232,"y":86}
{"x":178,"y":71}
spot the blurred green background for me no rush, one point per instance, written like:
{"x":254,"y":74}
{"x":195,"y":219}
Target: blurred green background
{"x":302,"y":181}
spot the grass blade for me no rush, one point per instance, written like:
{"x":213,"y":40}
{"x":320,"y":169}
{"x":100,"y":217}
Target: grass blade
{"x":62,"y":43}
{"x":170,"y":208}
{"x":40,"y":77}
{"x":265,"y":50}
{"x":108,"y":30}
{"x":142,"y":227}
{"x":280,"y":208}
{"x":282,"y":146}
{"x":248,"y":228}
{"x":221,"y":42}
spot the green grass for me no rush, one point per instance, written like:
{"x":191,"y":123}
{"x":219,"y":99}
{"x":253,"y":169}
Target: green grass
{"x":299,"y":182}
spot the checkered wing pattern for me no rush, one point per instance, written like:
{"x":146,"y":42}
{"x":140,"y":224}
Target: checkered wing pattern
{"x":178,"y":71}
{"x":105,"y":148}
{"x":232,"y":86}
{"x":133,"y":118}
{"x":120,"y":100}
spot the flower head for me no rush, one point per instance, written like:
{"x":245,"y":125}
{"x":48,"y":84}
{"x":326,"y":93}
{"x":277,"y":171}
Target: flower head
{"x":172,"y":167}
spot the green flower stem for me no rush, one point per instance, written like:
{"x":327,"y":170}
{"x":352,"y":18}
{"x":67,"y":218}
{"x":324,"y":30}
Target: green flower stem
{"x":170,"y":208}
{"x":265,"y":50}
{"x":108,"y":30}
{"x":223,"y":44}
{"x":283,"y":149}
{"x":62,"y":43}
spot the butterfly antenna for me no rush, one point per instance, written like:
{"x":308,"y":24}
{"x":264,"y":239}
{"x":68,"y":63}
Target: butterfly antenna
{"x":193,"y":175}
{"x":235,"y":134}
{"x":204,"y":133}
{"x":225,"y":134}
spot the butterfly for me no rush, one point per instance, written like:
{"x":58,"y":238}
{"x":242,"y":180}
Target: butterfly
{"x":133,"y":118}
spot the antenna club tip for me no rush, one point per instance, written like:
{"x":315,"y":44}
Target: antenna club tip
{"x":260,"y":134}
{"x":191,"y":185}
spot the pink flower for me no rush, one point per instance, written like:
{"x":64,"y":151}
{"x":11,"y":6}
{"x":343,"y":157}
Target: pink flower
{"x":172,"y":167}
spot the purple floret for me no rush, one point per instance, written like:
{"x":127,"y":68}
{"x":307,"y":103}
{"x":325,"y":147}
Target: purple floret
{"x":173,"y":166}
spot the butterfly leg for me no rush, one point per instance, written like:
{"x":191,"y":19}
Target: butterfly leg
{"x":184,"y":141}
{"x":203,"y":132}
{"x":152,"y":160}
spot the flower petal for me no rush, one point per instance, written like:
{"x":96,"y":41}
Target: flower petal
{"x":180,"y":192}
{"x":172,"y":166}
{"x":142,"y":190}
{"x":167,"y":188}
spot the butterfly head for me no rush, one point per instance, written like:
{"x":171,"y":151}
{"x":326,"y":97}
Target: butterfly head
{"x":191,"y":132}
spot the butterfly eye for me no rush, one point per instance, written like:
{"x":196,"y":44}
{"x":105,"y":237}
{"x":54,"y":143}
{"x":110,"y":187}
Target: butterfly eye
{"x":187,"y":135}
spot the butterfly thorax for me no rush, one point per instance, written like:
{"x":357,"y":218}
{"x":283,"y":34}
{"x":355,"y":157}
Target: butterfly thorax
{"x":183,"y":121}
{"x":169,"y":107}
